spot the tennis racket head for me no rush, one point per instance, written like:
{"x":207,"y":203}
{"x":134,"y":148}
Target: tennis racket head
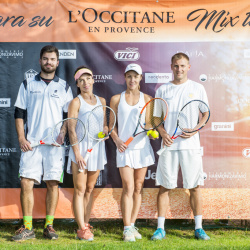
{"x":68,"y":132}
{"x":153,"y":114}
{"x":101,"y":119}
{"x":193,"y":116}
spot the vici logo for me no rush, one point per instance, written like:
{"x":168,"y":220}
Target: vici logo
{"x":129,"y":54}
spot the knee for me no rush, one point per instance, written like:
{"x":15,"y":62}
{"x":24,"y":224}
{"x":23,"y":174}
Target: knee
{"x":89,"y":189}
{"x":52,"y":185}
{"x":128,"y":189}
{"x":79,"y":190}
{"x":138,"y":188}
{"x":27,"y":185}
{"x":194,"y":191}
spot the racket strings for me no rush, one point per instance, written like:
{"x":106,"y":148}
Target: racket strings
{"x":101,"y":119}
{"x":69,"y":132}
{"x":191,"y":117}
{"x":155,"y":113}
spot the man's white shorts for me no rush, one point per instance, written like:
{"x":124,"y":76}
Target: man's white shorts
{"x":43,"y":163}
{"x":170,"y":161}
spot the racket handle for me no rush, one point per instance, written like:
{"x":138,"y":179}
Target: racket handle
{"x":86,"y":157}
{"x":129,"y":140}
{"x":35,"y":144}
{"x":159,"y":152}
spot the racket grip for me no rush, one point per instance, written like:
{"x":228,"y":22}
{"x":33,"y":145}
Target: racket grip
{"x":129,"y":140}
{"x":34,"y":144}
{"x":159,"y":152}
{"x":86,"y":157}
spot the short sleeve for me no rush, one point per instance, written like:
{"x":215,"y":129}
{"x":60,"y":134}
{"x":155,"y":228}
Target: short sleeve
{"x":21,"y":101}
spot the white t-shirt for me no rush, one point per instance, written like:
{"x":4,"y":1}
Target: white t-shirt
{"x":127,"y":121}
{"x":44,"y":103}
{"x":177,"y":96}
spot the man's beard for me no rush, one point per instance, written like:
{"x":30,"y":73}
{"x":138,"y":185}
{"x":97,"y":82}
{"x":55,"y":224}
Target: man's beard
{"x":48,"y":71}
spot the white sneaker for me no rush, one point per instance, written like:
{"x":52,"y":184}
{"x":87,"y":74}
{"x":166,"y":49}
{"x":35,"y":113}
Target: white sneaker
{"x":128,"y":235}
{"x":136,"y":233}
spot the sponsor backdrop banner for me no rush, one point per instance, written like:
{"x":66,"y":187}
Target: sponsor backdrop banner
{"x":107,"y":37}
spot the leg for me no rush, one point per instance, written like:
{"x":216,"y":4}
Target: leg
{"x":27,"y":197}
{"x":79,"y":180}
{"x":27,"y":203}
{"x":139,"y":177}
{"x":88,"y":196}
{"x":162,"y":201}
{"x":127,"y":175}
{"x":196,"y":200}
{"x":162,"y":204}
{"x":51,"y":197}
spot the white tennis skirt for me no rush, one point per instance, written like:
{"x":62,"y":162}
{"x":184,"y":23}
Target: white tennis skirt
{"x":135,"y":158}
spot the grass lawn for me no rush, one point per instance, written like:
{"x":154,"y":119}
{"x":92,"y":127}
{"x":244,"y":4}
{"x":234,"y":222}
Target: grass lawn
{"x":108,"y":235}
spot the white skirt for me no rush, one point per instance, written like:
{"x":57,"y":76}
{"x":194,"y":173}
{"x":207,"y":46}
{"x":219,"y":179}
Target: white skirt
{"x":97,"y":158}
{"x":135,"y":158}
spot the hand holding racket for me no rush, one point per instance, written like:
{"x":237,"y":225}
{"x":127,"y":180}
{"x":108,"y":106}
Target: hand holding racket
{"x":192,"y":117}
{"x":152,"y":115}
{"x":100,"y":119}
{"x":59,"y":135}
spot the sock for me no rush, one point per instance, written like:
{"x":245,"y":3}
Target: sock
{"x":49,"y":220}
{"x":132,"y":224}
{"x":127,"y":227}
{"x":198,"y":221}
{"x":161,"y":222}
{"x":27,"y":221}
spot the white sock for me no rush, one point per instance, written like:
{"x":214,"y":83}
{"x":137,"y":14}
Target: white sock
{"x":161,"y":222}
{"x":198,"y":221}
{"x":132,"y":224}
{"x":127,"y":227}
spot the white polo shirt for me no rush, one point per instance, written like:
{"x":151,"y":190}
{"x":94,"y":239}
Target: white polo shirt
{"x":177,"y":96}
{"x":44,"y":103}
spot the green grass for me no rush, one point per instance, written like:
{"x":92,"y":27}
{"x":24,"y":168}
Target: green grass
{"x":108,"y":235}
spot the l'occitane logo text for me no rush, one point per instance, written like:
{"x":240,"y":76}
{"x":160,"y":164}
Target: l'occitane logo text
{"x":91,"y":15}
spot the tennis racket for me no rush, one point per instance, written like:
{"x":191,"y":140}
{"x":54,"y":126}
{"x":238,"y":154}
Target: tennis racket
{"x":193,"y":116}
{"x":152,"y":115}
{"x":100,"y":119}
{"x":65,"y":133}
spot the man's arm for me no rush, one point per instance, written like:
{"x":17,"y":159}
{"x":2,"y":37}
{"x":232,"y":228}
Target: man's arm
{"x":23,"y":143}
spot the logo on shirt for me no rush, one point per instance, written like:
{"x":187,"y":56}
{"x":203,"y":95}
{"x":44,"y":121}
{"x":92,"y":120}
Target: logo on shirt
{"x":55,"y":95}
{"x":5,"y":102}
{"x":129,"y":54}
{"x":35,"y":92}
{"x":191,"y":95}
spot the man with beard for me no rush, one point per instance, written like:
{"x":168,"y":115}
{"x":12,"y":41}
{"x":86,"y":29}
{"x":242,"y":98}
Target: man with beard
{"x":41,"y":103}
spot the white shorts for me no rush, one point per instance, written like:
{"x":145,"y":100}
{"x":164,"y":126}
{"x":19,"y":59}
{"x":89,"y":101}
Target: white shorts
{"x":135,"y":158}
{"x":43,"y":163}
{"x":190,"y":162}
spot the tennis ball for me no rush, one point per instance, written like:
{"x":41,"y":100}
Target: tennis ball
{"x":154,"y":134}
{"x":149,"y":132}
{"x":101,"y":135}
